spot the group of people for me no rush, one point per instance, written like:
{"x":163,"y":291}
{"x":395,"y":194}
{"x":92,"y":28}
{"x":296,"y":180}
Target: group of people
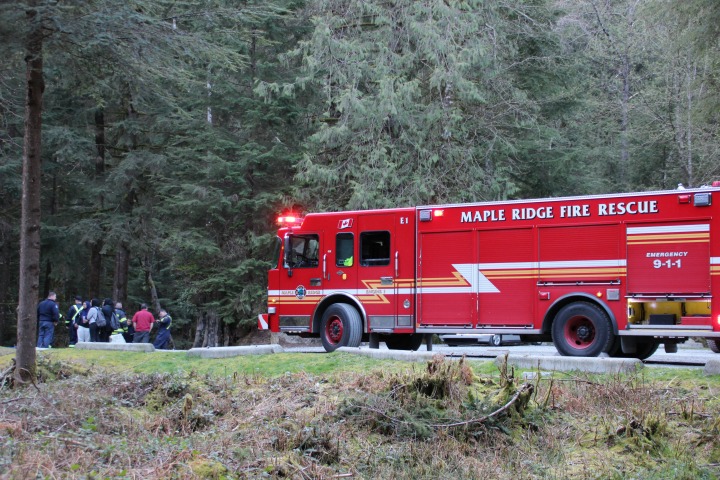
{"x":95,"y":321}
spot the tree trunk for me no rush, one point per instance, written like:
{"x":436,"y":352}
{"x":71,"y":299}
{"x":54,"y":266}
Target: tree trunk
{"x":199,"y":331}
{"x":226,"y":334}
{"x":5,"y":315}
{"x":30,"y":217}
{"x":120,"y":279}
{"x":211,"y":329}
{"x":100,"y":141}
{"x":47,"y":283}
{"x":94,"y":275}
{"x":150,"y":283}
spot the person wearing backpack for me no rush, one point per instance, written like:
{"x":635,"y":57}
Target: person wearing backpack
{"x":96,"y":320}
{"x":122,"y":322}
{"x":107,"y":310}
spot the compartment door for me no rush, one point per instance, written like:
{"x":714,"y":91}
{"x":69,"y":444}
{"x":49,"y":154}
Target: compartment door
{"x":447,"y":279}
{"x":507,"y":261}
{"x":668,"y":258}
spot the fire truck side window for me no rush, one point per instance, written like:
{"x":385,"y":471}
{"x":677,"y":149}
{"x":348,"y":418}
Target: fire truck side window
{"x":344,"y":249}
{"x":374,"y":249}
{"x":303,"y":251}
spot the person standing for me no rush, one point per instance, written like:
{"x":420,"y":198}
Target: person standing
{"x":73,"y":320}
{"x":143,"y":321}
{"x":92,"y":320}
{"x":107,"y":310}
{"x":83,"y":324}
{"x":162,"y":341}
{"x":122,"y":321}
{"x":48,"y":317}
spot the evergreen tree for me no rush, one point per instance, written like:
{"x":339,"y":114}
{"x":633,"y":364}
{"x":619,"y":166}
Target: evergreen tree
{"x":419,"y":102}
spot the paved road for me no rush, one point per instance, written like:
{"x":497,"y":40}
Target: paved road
{"x":689,"y":354}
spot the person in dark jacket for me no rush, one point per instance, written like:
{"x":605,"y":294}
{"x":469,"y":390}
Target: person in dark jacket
{"x":162,"y":341}
{"x":125,"y":324}
{"x":73,"y":320}
{"x":48,"y":317}
{"x":107,"y":309}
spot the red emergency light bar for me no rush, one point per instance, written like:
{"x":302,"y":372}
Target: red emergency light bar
{"x":289,"y":220}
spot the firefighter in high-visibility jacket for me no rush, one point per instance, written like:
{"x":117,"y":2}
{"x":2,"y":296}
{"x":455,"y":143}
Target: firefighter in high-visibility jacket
{"x":121,"y":319}
{"x":162,"y":341}
{"x":73,"y":320}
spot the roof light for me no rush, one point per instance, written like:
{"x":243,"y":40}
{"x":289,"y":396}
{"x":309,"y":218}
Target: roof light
{"x":438,"y":213}
{"x":289,"y":220}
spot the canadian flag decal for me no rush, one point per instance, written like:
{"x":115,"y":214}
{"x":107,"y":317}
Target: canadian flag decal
{"x":345,"y":223}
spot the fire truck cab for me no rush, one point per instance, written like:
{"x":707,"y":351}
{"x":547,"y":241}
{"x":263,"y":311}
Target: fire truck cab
{"x":619,"y":274}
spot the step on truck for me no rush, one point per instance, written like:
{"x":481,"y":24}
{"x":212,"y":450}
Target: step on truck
{"x":617,"y":274}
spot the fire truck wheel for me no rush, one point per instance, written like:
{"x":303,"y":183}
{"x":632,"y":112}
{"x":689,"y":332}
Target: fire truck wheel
{"x":341,"y":327}
{"x":581,"y":329}
{"x":714,"y":345}
{"x":404,"y":342}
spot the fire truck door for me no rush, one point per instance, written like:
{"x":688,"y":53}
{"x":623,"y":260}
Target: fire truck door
{"x":340,"y":258}
{"x":301,"y":284}
{"x":377,"y":286}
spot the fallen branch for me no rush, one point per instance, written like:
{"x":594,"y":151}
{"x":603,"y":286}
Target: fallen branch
{"x":528,"y":387}
{"x":6,"y":377}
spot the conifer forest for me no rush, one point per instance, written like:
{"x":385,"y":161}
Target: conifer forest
{"x":164,"y":137}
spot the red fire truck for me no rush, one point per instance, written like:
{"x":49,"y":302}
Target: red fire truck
{"x":618,"y":273}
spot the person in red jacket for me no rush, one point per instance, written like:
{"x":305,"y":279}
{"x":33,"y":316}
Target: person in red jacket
{"x":143,"y":321}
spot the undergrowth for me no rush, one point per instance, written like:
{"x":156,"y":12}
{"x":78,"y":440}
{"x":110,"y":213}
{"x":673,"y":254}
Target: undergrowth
{"x":442,"y":419}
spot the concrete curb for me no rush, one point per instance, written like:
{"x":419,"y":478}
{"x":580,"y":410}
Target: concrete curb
{"x":402,"y":355}
{"x":565,"y":364}
{"x":122,"y":347}
{"x":225,"y":352}
{"x":712,"y":367}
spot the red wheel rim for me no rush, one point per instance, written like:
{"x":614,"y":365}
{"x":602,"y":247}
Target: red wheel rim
{"x":579,"y":332}
{"x":334,"y":329}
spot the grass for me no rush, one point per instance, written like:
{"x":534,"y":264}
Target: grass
{"x":135,"y":415}
{"x":268,"y":366}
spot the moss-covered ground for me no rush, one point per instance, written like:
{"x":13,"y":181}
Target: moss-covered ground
{"x":95,"y":414}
